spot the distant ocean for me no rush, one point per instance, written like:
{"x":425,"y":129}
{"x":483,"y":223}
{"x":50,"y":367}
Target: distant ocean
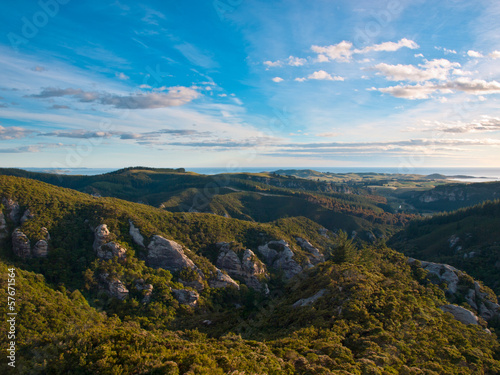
{"x":478,"y":174}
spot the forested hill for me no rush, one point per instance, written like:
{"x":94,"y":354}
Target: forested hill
{"x":254,"y":197}
{"x":468,"y":239}
{"x":107,"y":286}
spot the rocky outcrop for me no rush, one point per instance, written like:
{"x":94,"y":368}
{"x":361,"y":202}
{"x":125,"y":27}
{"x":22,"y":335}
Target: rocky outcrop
{"x":104,"y":248}
{"x":249,"y":270}
{"x":309,"y":301}
{"x":323,"y":232}
{"x":113,"y":286}
{"x":167,"y":254}
{"x":26,"y":216}
{"x":481,"y":301}
{"x":3,"y":227}
{"x":278,"y":254}
{"x":21,"y":244}
{"x":146,"y":289}
{"x":186,"y":297}
{"x":462,"y":315}
{"x":445,"y":273}
{"x":221,"y":280}
{"x":13,"y":208}
{"x":314,"y":254}
{"x":136,"y":234}
{"x":41,"y":249}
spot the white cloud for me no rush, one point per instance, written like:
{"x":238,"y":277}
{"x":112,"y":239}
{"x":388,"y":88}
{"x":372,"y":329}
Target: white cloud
{"x":296,"y":61}
{"x":446,"y":50}
{"x":273,"y":64}
{"x":14,"y":132}
{"x":291,"y":61}
{"x":343,"y":51}
{"x":320,"y":75}
{"x":278,"y":79}
{"x":484,"y":124}
{"x":439,"y":69}
{"x":423,"y":91}
{"x":472,"y":53}
{"x":122,"y":76}
{"x":495,"y":55}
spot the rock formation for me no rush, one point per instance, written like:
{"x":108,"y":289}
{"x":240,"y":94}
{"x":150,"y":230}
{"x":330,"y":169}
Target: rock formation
{"x":21,"y":244}
{"x":222,"y":280}
{"x":113,"y":286}
{"x":136,"y":234}
{"x":167,"y":254}
{"x":444,"y":272}
{"x":103,"y":247}
{"x":459,"y":313}
{"x":186,"y":297}
{"x":314,"y":254}
{"x":26,"y":216}
{"x":250,"y":270}
{"x":147,"y":290}
{"x":3,"y":227}
{"x":41,"y":249}
{"x":13,"y":208}
{"x":278,"y":254}
{"x":309,"y":301}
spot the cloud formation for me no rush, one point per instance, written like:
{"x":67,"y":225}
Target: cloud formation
{"x":320,"y":75}
{"x":176,"y":96}
{"x":439,"y":69}
{"x":484,"y":124}
{"x":14,"y":132}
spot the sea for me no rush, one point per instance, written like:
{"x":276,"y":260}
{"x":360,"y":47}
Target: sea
{"x":458,"y":174}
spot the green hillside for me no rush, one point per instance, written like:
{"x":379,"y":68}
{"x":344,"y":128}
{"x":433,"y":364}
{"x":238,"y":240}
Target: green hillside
{"x":468,"y":239}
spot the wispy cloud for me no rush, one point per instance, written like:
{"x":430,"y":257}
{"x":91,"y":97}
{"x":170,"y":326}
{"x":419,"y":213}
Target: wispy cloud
{"x":14,"y":132}
{"x":176,"y":96}
{"x":320,"y":75}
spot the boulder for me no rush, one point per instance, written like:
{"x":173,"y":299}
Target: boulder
{"x":309,"y":301}
{"x":13,"y":208}
{"x":279,"y":255}
{"x":444,"y":272}
{"x":186,"y":297}
{"x":41,"y":249}
{"x":147,"y":290}
{"x":26,"y":216}
{"x":314,"y":255}
{"x":101,"y":236}
{"x":248,"y":270}
{"x":111,"y":250}
{"x":3,"y":227}
{"x":459,"y":313}
{"x":167,"y":254}
{"x":222,"y":280}
{"x":21,"y":244}
{"x":136,"y":234}
{"x":113,"y":286}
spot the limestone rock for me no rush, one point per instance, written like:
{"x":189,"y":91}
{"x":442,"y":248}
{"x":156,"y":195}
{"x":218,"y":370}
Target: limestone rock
{"x":186,"y":297}
{"x":26,"y":216}
{"x":13,"y":208}
{"x":167,"y":254}
{"x":101,"y":234}
{"x":41,"y":249}
{"x":222,"y":280}
{"x":279,"y":255}
{"x":3,"y":227}
{"x":459,"y":313}
{"x":248,"y":270}
{"x":136,"y":234}
{"x":21,"y":244}
{"x":111,"y":250}
{"x":444,"y":272}
{"x":315,"y":256}
{"x":114,"y":287}
{"x":309,"y":301}
{"x":147,"y":290}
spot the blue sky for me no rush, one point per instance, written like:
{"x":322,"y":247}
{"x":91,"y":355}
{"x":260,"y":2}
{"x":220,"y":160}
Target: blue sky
{"x":235,"y":83}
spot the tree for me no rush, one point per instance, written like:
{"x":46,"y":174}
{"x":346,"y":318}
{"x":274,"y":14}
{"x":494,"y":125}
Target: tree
{"x":343,"y":250}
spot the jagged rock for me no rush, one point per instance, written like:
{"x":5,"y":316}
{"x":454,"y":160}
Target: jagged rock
{"x":308,"y":301}
{"x":13,"y":208}
{"x":459,"y":313}
{"x":444,"y":272}
{"x":249,"y":270}
{"x":283,"y":259}
{"x":26,"y":216}
{"x":323,"y":232}
{"x":21,"y":244}
{"x":186,"y":297}
{"x":111,"y":250}
{"x":222,"y":280}
{"x":315,"y":257}
{"x":101,"y":234}
{"x":136,"y":234}
{"x":114,"y":287}
{"x":41,"y":249}
{"x":167,"y":254}
{"x":3,"y":227}
{"x":147,"y":288}
{"x":45,"y":233}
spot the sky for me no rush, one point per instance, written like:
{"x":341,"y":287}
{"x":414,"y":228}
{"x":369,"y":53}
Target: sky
{"x":240,"y":83}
